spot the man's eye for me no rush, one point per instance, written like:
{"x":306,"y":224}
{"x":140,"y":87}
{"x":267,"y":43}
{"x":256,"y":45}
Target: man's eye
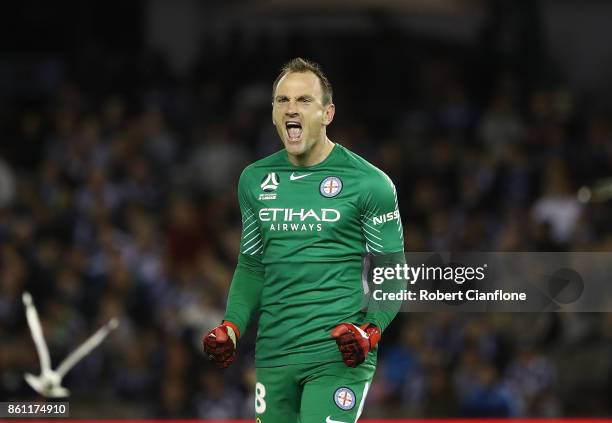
{"x":281,"y":100}
{"x":306,"y":100}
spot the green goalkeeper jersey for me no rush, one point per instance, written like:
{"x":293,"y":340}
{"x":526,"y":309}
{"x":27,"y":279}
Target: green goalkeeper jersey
{"x":305,"y":232}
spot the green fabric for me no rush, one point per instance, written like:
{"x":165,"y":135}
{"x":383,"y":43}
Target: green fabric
{"x":301,"y":258}
{"x":245,"y":291}
{"x":311,"y":393}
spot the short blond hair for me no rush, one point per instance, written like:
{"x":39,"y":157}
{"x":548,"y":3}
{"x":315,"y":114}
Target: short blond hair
{"x":299,"y":65}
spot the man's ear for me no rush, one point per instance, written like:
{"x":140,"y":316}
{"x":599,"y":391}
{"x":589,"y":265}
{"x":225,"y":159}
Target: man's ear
{"x":328,"y":114}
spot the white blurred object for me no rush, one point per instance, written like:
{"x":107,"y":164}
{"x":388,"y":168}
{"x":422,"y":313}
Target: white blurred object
{"x":562,"y":212}
{"x":49,"y":383}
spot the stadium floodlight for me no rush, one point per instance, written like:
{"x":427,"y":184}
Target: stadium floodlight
{"x":49,"y":383}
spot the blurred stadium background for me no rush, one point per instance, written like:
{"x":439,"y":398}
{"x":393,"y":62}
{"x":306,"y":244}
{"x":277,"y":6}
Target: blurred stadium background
{"x":124,"y":126}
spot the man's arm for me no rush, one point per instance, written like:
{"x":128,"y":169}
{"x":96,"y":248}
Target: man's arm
{"x":245,"y":289}
{"x":382,"y":230}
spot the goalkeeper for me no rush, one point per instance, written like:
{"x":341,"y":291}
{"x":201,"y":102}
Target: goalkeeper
{"x":309,"y":213}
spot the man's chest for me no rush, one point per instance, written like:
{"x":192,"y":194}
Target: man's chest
{"x":307,"y":205}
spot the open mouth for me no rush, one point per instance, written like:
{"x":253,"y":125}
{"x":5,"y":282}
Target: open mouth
{"x":294,"y":130}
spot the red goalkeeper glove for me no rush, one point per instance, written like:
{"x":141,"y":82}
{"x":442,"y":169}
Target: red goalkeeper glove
{"x":355,"y":342}
{"x":220,"y":344}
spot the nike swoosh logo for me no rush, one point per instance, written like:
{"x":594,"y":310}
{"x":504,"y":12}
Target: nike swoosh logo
{"x":329,"y":420}
{"x":294,"y":178}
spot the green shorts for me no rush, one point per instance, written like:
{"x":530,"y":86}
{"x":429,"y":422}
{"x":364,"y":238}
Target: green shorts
{"x":325,"y":392}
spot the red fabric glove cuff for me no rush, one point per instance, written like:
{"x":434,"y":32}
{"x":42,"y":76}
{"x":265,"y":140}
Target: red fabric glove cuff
{"x":233,"y":326}
{"x":373,"y":333}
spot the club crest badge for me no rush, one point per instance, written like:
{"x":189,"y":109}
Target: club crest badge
{"x":330,"y":186}
{"x":344,"y":398}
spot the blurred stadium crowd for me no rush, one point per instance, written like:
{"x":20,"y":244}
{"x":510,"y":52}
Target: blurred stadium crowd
{"x":118,"y":198}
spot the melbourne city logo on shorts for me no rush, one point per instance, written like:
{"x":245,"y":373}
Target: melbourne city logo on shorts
{"x":344,"y":398}
{"x":330,"y":186}
{"x":269,"y":184}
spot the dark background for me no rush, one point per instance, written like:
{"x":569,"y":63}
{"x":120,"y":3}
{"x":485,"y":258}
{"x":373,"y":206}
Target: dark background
{"x":124,"y":127}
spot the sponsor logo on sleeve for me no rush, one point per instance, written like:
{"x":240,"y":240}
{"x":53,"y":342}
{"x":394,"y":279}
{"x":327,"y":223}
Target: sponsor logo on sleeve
{"x":379,"y":220}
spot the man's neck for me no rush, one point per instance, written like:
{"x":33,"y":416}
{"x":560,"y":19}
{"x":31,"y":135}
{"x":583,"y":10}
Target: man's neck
{"x":315,"y":156}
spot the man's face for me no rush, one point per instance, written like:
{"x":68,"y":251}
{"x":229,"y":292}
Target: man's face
{"x":299,"y":114}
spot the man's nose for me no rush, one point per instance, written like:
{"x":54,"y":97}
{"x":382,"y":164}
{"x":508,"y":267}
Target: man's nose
{"x":292,"y":108}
